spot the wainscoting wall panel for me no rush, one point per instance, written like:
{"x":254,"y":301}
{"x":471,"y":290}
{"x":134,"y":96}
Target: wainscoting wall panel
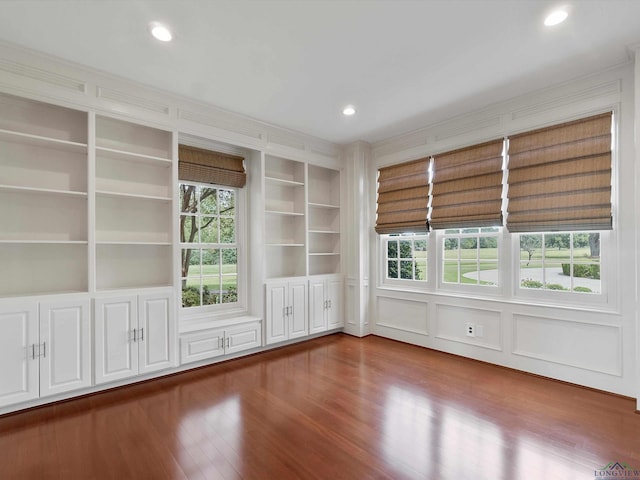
{"x":589,"y":346}
{"x":451,"y":324}
{"x":405,"y":315}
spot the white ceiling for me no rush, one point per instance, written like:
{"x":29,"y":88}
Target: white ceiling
{"x":403,"y":64}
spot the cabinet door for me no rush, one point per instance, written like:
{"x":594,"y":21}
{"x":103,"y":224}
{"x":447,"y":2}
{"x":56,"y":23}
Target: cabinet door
{"x":116,"y":349}
{"x":335,"y":295}
{"x":201,"y":345}
{"x":18,"y":339}
{"x":243,"y":337}
{"x":298,"y":318}
{"x":156,"y":332}
{"x":276,"y":316}
{"x":317,"y":306}
{"x":65,"y":347}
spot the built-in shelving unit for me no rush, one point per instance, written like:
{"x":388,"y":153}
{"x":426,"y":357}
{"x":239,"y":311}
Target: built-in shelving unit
{"x":285,"y":219}
{"x":133,"y":205}
{"x":43,"y":198}
{"x":302,"y":218}
{"x":324,"y":220}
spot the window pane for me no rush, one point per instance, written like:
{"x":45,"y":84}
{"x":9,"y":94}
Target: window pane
{"x":188,"y":199}
{"x":488,"y":273}
{"x":451,"y":248}
{"x":468,"y":272}
{"x":450,"y":272}
{"x":488,"y":248}
{"x":190,"y":296}
{"x":210,"y":261}
{"x":421,"y":269}
{"x":226,"y":202}
{"x":392,"y":249}
{"x":405,"y":249}
{"x":208,"y":201}
{"x":208,"y":229}
{"x":188,"y":229}
{"x":227,"y":230}
{"x":530,"y":247}
{"x":406,"y":269}
{"x":229,"y":261}
{"x":210,"y":290}
{"x":392,"y":269}
{"x":229,"y":289}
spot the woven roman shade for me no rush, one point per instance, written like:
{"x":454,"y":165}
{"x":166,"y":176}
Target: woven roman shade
{"x":403,"y":195}
{"x":560,"y":177}
{"x":205,"y":166}
{"x":467,"y":187}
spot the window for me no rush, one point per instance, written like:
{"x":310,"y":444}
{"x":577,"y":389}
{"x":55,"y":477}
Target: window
{"x":209,"y":249}
{"x":406,"y":256}
{"x":565,"y":262}
{"x":470,"y":256}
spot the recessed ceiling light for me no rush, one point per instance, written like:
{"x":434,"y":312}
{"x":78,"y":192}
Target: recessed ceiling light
{"x":556,"y":17}
{"x":349,"y":110}
{"x":161,"y":32}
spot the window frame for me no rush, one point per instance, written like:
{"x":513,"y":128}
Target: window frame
{"x":476,"y":289}
{"x":220,"y":309}
{"x":404,"y":283}
{"x":564,"y":297}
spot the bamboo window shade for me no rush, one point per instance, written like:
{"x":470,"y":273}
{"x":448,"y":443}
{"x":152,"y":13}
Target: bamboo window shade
{"x":403,"y":196}
{"x":467,"y":187}
{"x":560,"y":177}
{"x":206,"y":166}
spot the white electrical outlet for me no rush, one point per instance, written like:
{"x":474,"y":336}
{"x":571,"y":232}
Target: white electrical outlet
{"x":470,"y":330}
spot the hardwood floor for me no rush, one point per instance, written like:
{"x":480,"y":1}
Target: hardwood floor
{"x":336,"y":407}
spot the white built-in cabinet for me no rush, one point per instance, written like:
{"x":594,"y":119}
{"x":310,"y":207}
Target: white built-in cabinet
{"x":302,"y":248}
{"x":85,"y":207}
{"x":45,"y":349}
{"x":286,"y":310}
{"x":216,"y":342}
{"x":325,"y":303}
{"x":134,"y":335}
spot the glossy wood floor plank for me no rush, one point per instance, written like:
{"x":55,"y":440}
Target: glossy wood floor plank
{"x":337,"y":407}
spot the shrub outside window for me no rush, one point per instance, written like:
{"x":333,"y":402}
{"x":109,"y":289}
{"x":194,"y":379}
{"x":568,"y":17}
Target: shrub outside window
{"x":208,"y":240}
{"x":470,"y":256}
{"x":406,"y":257}
{"x":564,"y":262}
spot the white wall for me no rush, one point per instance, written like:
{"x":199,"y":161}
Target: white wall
{"x":593,"y":345}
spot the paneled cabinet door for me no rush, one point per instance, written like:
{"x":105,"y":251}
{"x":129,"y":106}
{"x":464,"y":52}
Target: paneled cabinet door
{"x":317,"y":307}
{"x":243,"y":337}
{"x":325,"y":304}
{"x":156,"y":332}
{"x":276,"y":313}
{"x":64,"y":346}
{"x":298,"y":317}
{"x":335,"y":295}
{"x":116,"y":350}
{"x":286,"y":311}
{"x":18,"y":337}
